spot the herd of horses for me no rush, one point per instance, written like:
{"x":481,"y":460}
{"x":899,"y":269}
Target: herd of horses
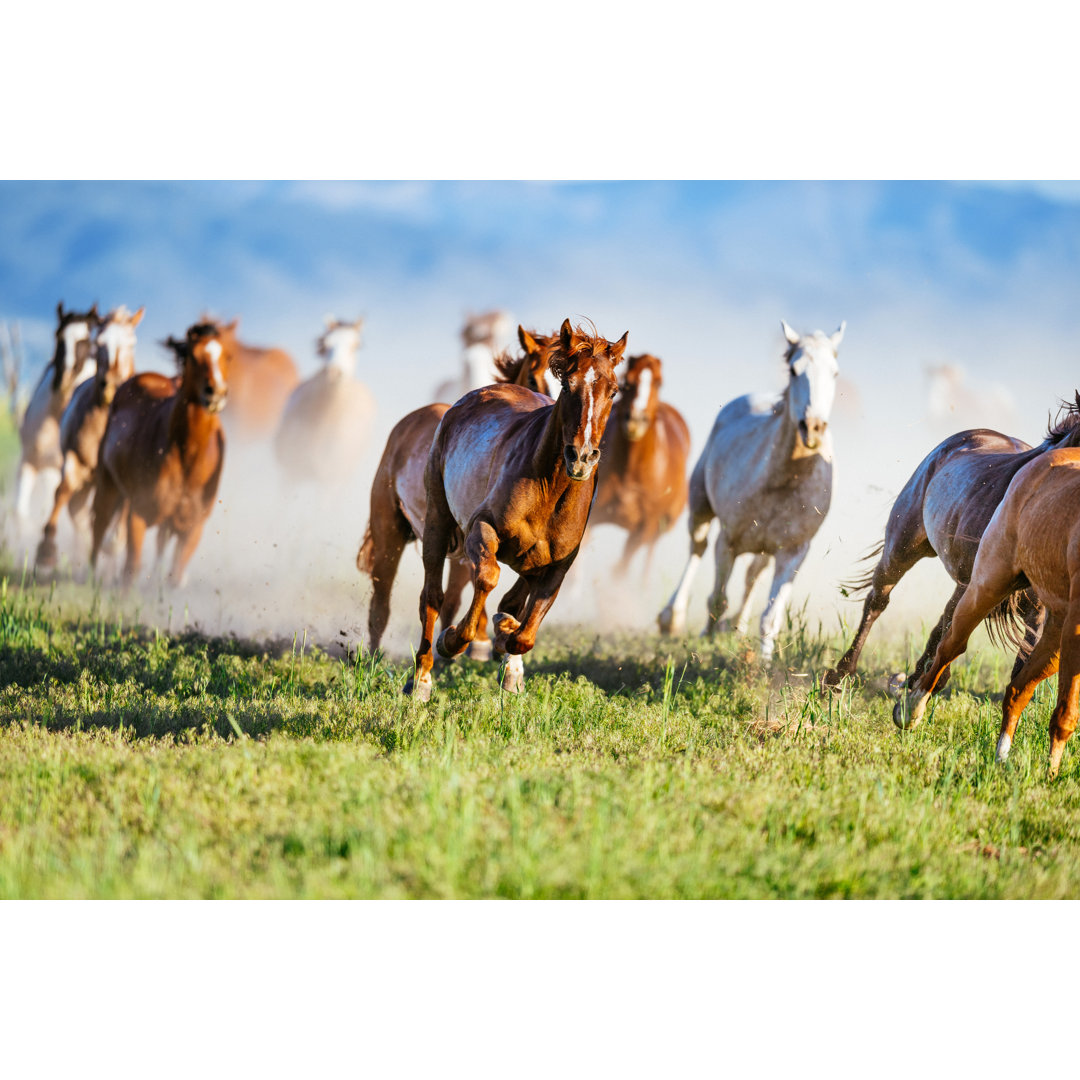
{"x":529,"y":448}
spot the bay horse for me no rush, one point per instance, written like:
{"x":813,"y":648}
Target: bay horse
{"x":83,"y":424}
{"x":399,"y":500}
{"x":260,"y":382}
{"x":163,"y":451}
{"x":943,"y":510}
{"x":766,"y":473}
{"x":1033,"y":539}
{"x":480,"y":337}
{"x":510,"y":478}
{"x":326,"y":426}
{"x":642,"y":483}
{"x":39,"y":432}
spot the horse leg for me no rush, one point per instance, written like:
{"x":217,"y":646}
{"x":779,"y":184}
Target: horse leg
{"x":725,"y":560}
{"x":107,"y":500}
{"x":24,"y":490}
{"x":1040,"y":665}
{"x":753,"y":572}
{"x":480,"y":547}
{"x":186,"y":543}
{"x":1064,"y":717}
{"x":46,"y":555}
{"x":385,"y":559}
{"x":672,"y":620}
{"x":994,"y":579}
{"x":934,"y":639}
{"x":517,"y":636}
{"x":511,"y":610}
{"x":896,"y":560}
{"x":79,"y":511}
{"x":635,"y":538}
{"x":136,"y":533}
{"x":1034,"y":616}
{"x":787,"y":566}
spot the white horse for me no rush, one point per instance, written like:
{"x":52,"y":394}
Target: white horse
{"x":39,"y":434}
{"x":326,"y":426}
{"x":766,"y":473}
{"x":482,"y":336}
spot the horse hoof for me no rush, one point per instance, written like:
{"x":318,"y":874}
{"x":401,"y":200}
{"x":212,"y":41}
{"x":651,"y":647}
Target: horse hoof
{"x":1003,"y":747}
{"x":905,"y":717}
{"x":419,"y":691}
{"x":504,"y":625}
{"x":666,"y":623}
{"x":46,"y":556}
{"x":480,"y":649}
{"x":513,"y":680}
{"x":441,"y":646}
{"x":896,"y":683}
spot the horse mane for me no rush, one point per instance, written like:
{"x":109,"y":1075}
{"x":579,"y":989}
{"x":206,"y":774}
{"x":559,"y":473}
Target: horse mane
{"x":1065,"y":424}
{"x":182,"y":347}
{"x":561,"y":363}
{"x":508,"y":366}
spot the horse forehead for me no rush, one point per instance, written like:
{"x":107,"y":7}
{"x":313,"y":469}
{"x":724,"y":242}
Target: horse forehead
{"x":76,"y":331}
{"x":817,"y":349}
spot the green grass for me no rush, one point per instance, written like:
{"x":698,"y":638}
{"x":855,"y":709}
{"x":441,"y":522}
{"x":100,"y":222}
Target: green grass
{"x":135,"y":763}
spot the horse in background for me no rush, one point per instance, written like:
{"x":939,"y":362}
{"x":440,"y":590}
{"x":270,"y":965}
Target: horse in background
{"x":766,"y":474}
{"x":39,"y":432}
{"x":642,"y":483}
{"x":482,"y":337}
{"x":399,"y":498}
{"x":510,"y":478}
{"x":943,"y":510}
{"x":163,"y":451}
{"x":326,"y":426}
{"x":83,"y":425}
{"x":260,"y":382}
{"x":1031,"y":541}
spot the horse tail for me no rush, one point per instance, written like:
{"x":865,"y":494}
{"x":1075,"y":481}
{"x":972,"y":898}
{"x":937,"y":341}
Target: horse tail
{"x":365,"y":557}
{"x":863,"y":582}
{"x":1006,"y":626}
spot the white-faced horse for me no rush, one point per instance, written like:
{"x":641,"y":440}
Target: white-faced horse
{"x":482,"y":337}
{"x":766,"y":474}
{"x":326,"y":426}
{"x":39,"y":434}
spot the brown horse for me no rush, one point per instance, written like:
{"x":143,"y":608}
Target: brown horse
{"x":510,"y":478}
{"x":943,"y":510}
{"x":39,"y":432}
{"x":642,"y":485}
{"x":260,"y":383}
{"x":83,"y":424}
{"x":1033,"y":539}
{"x":399,"y":502}
{"x":163,"y":451}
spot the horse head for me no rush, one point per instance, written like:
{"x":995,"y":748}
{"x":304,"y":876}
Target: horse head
{"x":339,"y":344}
{"x":115,"y":348}
{"x":205,"y":358}
{"x":813,"y":372}
{"x":487,"y":329}
{"x":639,"y":395}
{"x":584,"y":364}
{"x":73,"y":333}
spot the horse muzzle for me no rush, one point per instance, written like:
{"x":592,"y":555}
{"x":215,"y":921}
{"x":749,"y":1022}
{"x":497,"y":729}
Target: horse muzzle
{"x":635,"y":426}
{"x":580,"y":463}
{"x":214,"y":403}
{"x":812,"y":432}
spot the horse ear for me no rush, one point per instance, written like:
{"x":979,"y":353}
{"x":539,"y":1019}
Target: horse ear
{"x":137,"y":317}
{"x":792,"y":337}
{"x":59,"y":310}
{"x":836,"y":338}
{"x":528,"y":342}
{"x":358,"y":325}
{"x":619,"y":348}
{"x":330,"y":321}
{"x":231,"y":327}
{"x":566,"y":335}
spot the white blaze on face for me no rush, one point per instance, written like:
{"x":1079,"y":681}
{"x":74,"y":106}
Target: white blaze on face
{"x":590,"y":378}
{"x":813,"y":378}
{"x":73,"y":334}
{"x":213,"y":350}
{"x":342,"y":343}
{"x":644,"y":391}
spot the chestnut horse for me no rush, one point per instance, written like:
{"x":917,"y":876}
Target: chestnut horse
{"x":163,"y":451}
{"x":260,"y":382}
{"x":642,"y":484}
{"x":399,"y":502}
{"x":1033,"y":539}
{"x":511,"y":478}
{"x":83,"y":424}
{"x":943,"y":510}
{"x":326,"y":426}
{"x":39,"y":432}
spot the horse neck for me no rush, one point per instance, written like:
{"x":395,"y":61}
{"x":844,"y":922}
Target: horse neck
{"x":191,"y":425}
{"x":547,"y":459}
{"x":787,"y":448}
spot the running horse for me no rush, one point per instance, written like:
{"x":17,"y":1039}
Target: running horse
{"x":326,"y":426}
{"x":163,"y":451}
{"x":1032,"y":540}
{"x":260,"y":382}
{"x":83,"y":425}
{"x":766,"y":473}
{"x":480,"y":337}
{"x":399,"y":501}
{"x":510,"y":478}
{"x":39,"y":432}
{"x":943,"y":510}
{"x":642,"y":484}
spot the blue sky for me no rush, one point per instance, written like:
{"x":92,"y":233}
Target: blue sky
{"x":983,"y":277}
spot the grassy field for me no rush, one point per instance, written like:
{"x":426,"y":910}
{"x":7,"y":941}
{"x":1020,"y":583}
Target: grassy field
{"x":135,"y":763}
